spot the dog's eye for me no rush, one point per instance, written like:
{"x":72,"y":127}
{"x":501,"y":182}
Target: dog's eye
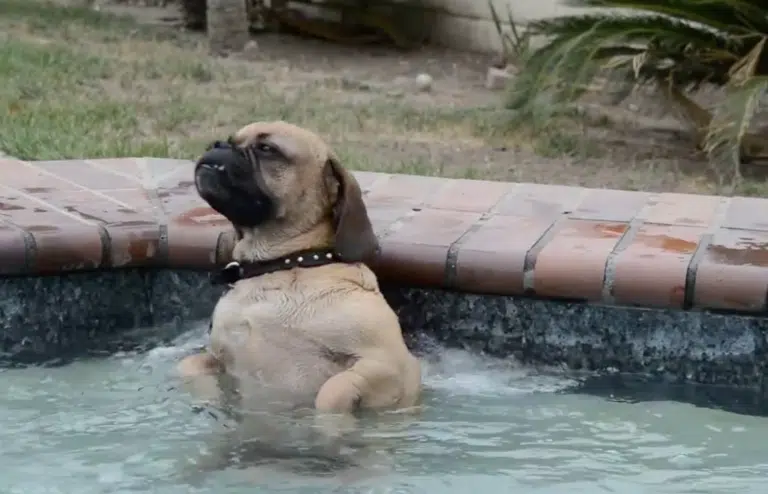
{"x":216,"y":145}
{"x":265,"y":148}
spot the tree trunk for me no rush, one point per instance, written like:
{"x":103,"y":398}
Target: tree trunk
{"x":194,"y":14}
{"x":227,"y":26}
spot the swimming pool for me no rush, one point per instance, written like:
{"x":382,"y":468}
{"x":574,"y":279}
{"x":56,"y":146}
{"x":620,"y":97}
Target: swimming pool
{"x":119,"y":425}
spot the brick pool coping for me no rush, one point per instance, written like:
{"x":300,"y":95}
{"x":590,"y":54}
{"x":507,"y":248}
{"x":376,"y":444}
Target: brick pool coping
{"x":604,"y":246}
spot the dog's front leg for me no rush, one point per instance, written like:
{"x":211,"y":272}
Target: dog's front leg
{"x":368,"y":383}
{"x":199,"y":374}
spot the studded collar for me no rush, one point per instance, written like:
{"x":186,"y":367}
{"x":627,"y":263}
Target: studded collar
{"x":235,"y":271}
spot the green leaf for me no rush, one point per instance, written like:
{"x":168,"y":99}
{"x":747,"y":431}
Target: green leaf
{"x":723,"y":15}
{"x":682,"y":44}
{"x":731,"y":120}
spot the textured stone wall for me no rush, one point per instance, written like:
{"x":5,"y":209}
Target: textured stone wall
{"x":53,"y":319}
{"x":675,"y":345}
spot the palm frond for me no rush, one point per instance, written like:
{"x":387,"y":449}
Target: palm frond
{"x":673,"y":33}
{"x":677,"y":45}
{"x":732,"y":16}
{"x":732,"y":117}
{"x":663,"y":36}
{"x":580,"y":46}
{"x":725,"y":144}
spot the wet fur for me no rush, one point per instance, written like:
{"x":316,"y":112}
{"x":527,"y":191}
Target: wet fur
{"x":321,"y":339}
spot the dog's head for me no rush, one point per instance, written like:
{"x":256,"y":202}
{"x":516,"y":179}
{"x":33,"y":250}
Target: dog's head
{"x":276,"y":179}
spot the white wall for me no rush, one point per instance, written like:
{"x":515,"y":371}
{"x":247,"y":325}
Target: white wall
{"x":468,"y":25}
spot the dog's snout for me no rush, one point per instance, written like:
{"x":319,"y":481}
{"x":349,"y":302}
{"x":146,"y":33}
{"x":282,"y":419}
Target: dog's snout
{"x":217,"y":158}
{"x":212,"y":166}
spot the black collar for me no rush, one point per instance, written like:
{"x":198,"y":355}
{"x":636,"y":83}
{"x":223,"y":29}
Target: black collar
{"x":235,"y":271}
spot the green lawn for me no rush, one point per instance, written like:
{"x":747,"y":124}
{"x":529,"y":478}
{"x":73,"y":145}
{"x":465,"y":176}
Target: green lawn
{"x":77,"y":83}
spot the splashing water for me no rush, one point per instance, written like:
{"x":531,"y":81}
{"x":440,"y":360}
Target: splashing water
{"x":117,"y":425}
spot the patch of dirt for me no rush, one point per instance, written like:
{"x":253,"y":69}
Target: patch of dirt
{"x":458,"y":78}
{"x":632,"y":146}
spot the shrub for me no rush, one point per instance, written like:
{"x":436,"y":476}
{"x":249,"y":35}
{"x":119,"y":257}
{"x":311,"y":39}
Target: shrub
{"x":676,"y":45}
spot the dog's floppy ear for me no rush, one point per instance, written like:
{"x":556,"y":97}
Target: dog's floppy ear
{"x":355,"y":240}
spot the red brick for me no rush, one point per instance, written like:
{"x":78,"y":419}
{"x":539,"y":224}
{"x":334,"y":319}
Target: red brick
{"x":475,"y":196}
{"x":733,"y":272}
{"x":491,"y":259}
{"x":572,"y":263}
{"x":683,"y":210}
{"x":652,"y":270}
{"x":417,"y":251}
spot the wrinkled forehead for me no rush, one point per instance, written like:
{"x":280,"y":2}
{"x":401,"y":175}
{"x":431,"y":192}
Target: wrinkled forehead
{"x":296,"y":143}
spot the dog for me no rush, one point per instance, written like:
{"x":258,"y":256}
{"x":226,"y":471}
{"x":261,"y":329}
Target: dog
{"x":304,"y":325}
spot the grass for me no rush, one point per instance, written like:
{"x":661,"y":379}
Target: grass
{"x":79,"y":83}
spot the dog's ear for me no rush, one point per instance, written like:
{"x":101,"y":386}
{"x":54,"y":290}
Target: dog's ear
{"x":355,"y":239}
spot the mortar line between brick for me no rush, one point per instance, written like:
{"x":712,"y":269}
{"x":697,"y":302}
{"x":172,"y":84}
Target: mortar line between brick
{"x":451,"y":258}
{"x":741,"y":229}
{"x":404,"y":219}
{"x":106,"y":251}
{"x":75,"y":184}
{"x":399,"y":222}
{"x":116,"y":173}
{"x":106,"y":246}
{"x":701,"y":249}
{"x":43,"y":202}
{"x":155,"y":183}
{"x":609,"y":272}
{"x":765,"y":300}
{"x":381,"y":179}
{"x":163,"y":247}
{"x":529,"y":263}
{"x":161,"y":217}
{"x":30,"y":246}
{"x":219,"y":241}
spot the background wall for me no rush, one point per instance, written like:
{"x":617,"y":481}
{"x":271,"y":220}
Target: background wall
{"x":467,"y":24}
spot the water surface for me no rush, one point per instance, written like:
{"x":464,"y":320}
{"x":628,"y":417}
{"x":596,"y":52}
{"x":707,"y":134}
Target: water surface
{"x":116,"y":425}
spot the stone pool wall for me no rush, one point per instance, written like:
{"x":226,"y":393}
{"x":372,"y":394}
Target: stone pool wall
{"x":102,"y":255}
{"x":49,"y":320}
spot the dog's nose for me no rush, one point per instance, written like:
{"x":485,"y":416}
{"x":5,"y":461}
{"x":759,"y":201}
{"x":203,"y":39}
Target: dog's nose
{"x":217,"y":158}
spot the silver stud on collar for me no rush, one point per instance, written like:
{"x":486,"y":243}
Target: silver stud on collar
{"x":316,"y":257}
{"x":300,"y":259}
{"x":287,"y":261}
{"x":329,"y":256}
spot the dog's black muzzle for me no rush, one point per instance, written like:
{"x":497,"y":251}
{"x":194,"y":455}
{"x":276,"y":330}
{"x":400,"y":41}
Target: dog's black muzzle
{"x":226,"y":161}
{"x":227,"y":178}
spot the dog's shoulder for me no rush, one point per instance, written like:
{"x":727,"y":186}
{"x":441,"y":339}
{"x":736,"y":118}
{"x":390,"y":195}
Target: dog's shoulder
{"x":357,"y":275}
{"x":361,"y":304}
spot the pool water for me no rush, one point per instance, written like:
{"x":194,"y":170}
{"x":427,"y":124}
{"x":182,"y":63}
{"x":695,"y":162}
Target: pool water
{"x":118,"y":425}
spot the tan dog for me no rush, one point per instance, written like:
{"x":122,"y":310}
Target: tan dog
{"x":320,"y":337}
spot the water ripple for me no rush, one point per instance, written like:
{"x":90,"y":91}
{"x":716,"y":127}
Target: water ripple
{"x":117,"y":425}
